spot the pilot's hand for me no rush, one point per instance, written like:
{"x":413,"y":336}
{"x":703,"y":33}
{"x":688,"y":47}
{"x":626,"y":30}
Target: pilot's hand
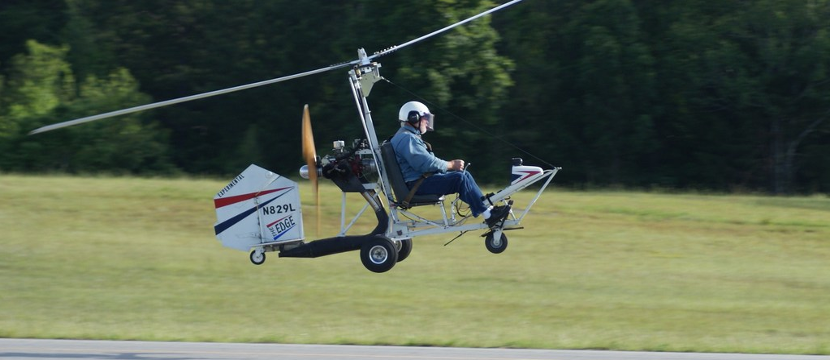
{"x":455,"y":165}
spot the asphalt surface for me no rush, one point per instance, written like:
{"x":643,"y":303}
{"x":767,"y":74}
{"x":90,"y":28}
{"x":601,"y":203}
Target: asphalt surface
{"x":14,"y":349}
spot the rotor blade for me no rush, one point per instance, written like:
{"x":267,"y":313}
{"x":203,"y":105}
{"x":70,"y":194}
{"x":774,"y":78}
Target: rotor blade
{"x":184,"y":99}
{"x":436,"y":32}
{"x":310,"y":156}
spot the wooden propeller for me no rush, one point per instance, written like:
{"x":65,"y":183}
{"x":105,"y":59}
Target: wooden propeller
{"x":310,"y":156}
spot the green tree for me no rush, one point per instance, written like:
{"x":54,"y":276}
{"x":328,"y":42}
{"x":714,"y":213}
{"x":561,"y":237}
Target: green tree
{"x":610,"y":90}
{"x":791,"y":92}
{"x":748,"y":86}
{"x":586,"y":82}
{"x":697,"y":94}
{"x":41,"y":89}
{"x":22,"y":20}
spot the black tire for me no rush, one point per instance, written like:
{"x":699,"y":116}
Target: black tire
{"x":379,"y":254}
{"x":257,"y":260}
{"x":496,"y":246}
{"x":406,"y":248}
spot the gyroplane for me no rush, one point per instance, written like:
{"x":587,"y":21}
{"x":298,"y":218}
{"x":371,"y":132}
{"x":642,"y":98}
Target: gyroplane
{"x":260,"y":211}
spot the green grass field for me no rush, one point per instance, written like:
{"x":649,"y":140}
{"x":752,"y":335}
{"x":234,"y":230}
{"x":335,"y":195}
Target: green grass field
{"x":125,"y":258}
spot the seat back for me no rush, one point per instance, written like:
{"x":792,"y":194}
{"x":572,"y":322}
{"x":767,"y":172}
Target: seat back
{"x":399,"y":188}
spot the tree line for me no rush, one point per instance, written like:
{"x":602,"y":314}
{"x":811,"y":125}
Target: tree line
{"x":681,"y":95}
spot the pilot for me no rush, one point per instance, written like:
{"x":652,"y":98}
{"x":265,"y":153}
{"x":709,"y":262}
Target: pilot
{"x":432,"y":175}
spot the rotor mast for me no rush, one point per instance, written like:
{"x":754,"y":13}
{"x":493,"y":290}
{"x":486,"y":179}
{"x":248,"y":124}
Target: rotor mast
{"x":361,"y":79}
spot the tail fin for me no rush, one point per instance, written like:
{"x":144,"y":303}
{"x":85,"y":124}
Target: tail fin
{"x":258,"y":207}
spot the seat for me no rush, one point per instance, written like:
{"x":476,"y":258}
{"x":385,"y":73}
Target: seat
{"x":399,"y":188}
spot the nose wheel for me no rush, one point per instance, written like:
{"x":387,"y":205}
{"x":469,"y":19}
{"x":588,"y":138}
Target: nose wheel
{"x":496,"y":245}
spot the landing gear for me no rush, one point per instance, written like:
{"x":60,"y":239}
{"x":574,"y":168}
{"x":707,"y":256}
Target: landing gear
{"x":258,"y":256}
{"x":405,"y":249}
{"x":379,"y":255}
{"x":496,"y":246}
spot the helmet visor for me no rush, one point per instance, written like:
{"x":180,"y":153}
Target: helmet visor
{"x":430,"y":121}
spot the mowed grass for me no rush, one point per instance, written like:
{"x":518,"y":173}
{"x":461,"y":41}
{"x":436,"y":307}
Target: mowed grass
{"x":126,"y":258}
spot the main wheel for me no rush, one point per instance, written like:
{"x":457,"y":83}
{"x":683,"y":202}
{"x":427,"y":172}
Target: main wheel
{"x":496,"y":246}
{"x":257,"y":258}
{"x":406,"y":248}
{"x":379,"y":255}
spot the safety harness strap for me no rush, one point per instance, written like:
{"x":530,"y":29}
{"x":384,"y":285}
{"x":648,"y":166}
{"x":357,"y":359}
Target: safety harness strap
{"x":415,"y":186}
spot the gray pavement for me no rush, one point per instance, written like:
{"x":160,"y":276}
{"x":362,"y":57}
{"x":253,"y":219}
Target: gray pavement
{"x":28,"y":349}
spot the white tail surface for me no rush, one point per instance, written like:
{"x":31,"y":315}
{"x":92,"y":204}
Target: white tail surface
{"x":258,"y":207}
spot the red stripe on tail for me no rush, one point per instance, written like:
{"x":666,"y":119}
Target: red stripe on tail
{"x":239,"y":198}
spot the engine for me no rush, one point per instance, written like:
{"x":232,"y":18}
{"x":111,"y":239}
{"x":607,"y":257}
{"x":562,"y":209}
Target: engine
{"x":348,"y":167}
{"x":358,"y":158}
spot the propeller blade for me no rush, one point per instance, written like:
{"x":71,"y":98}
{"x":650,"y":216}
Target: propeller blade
{"x":310,"y":156}
{"x":186,"y":98}
{"x":436,"y":32}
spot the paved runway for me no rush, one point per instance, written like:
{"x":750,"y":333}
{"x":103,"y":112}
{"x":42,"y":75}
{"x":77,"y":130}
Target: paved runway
{"x":14,"y":349}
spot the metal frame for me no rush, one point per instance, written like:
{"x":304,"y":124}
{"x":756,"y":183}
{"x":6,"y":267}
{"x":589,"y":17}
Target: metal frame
{"x":362,"y":77}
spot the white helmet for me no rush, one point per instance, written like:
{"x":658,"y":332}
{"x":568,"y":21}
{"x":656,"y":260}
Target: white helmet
{"x":413,"y":111}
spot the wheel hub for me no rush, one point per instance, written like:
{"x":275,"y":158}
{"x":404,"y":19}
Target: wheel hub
{"x":378,"y":254}
{"x":496,"y":242}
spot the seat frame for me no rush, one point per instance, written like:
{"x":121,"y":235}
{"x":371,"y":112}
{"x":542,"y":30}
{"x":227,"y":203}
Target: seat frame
{"x":396,"y":181}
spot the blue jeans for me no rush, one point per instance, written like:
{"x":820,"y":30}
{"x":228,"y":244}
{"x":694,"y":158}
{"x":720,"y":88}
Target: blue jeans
{"x":460,"y":182}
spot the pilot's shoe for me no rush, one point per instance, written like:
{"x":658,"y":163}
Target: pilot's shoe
{"x":497,"y":214}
